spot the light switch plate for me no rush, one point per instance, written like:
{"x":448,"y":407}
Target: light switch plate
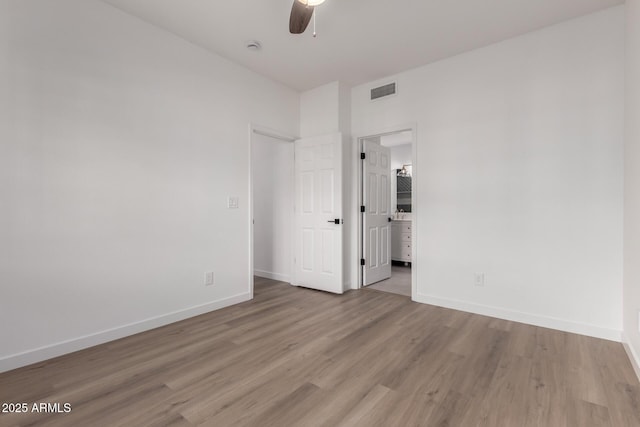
{"x":233,"y":202}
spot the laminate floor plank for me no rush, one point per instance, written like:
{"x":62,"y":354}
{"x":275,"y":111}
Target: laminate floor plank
{"x":581,"y":413}
{"x":505,"y":398}
{"x":331,"y":407}
{"x":298,"y":357}
{"x":547,"y":394}
{"x":361,"y":414}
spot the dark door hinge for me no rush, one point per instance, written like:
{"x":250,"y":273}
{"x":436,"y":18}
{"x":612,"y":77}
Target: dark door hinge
{"x":362,"y":156}
{"x":361,"y":261}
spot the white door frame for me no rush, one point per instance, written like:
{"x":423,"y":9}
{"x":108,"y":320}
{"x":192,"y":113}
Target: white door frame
{"x":414,"y":199}
{"x":271,"y":133}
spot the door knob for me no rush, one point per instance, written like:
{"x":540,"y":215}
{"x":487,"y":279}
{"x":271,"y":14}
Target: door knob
{"x":335,"y":221}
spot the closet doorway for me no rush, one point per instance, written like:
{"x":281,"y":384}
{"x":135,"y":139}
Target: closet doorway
{"x":272,"y":202}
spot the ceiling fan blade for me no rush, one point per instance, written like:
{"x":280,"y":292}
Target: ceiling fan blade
{"x":300,"y":17}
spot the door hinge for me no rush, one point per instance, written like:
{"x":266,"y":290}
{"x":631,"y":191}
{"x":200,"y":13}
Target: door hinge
{"x":362,"y":208}
{"x":361,"y":261}
{"x":362,"y":156}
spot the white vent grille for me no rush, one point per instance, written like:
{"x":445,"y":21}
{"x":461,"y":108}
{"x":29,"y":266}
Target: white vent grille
{"x":382,"y":91}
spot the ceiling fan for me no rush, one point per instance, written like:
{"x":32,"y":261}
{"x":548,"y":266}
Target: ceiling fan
{"x":301,"y":13}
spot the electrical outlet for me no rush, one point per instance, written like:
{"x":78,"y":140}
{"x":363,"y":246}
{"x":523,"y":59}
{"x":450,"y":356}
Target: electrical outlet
{"x":479,"y":279}
{"x":208,"y":279}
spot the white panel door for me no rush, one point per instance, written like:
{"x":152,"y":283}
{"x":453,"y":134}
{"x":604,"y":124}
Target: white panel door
{"x":318,"y":188}
{"x":377,"y":215}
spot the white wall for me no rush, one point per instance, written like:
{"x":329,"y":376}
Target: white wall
{"x":401,"y":155}
{"x":632,"y":182}
{"x":273,"y":207}
{"x":327,"y":110}
{"x":320,"y":110}
{"x":519,"y":168}
{"x":120,"y":144}
{"x":350,"y":259}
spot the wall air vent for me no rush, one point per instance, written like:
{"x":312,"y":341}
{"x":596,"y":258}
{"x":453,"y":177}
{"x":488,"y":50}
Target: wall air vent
{"x":382,"y":91}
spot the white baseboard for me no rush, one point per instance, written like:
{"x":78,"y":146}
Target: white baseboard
{"x":274,"y":276}
{"x":528,"y":318}
{"x":633,"y":356}
{"x":58,"y":349}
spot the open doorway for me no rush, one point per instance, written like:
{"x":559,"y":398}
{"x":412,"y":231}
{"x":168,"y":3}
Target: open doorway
{"x":387,"y":211}
{"x":272,"y":201}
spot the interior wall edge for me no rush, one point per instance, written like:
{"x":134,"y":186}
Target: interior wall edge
{"x":522,"y":317}
{"x":41,"y":354}
{"x":631,"y":353}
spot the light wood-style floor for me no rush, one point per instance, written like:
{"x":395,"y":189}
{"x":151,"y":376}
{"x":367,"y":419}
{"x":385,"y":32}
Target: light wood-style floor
{"x":297,"y":357}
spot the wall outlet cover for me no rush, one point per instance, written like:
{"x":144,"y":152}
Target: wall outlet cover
{"x":208,"y":279}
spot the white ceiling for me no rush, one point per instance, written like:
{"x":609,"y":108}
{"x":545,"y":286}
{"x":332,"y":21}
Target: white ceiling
{"x":358,"y":40}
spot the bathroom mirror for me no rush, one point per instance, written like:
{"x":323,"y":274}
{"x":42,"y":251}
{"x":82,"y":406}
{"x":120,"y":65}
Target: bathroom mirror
{"x":403,"y":188}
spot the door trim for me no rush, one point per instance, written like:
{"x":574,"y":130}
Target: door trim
{"x":358,"y":188}
{"x":255,"y":129}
